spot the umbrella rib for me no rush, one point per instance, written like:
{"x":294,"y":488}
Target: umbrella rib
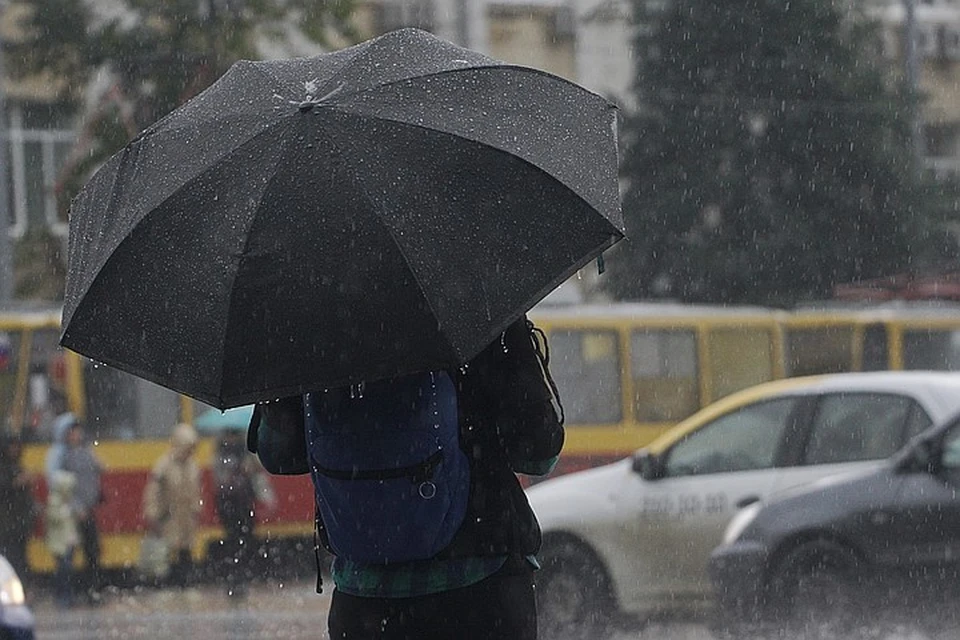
{"x":347,"y":110}
{"x":364,"y":54}
{"x":496,"y":65}
{"x":279,"y":81}
{"x":186,"y":184}
{"x":363,"y":187}
{"x":255,"y":118}
{"x":114,"y":188}
{"x":615,"y":232}
{"x":243,"y":252}
{"x":482,"y":143}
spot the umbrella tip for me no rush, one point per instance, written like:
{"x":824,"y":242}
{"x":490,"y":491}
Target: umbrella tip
{"x":307,"y":106}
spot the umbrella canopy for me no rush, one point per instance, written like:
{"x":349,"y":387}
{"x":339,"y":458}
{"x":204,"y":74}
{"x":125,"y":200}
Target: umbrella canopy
{"x":214,"y":420}
{"x":301,"y":224}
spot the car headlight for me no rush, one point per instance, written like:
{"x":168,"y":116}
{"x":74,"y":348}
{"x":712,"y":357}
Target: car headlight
{"x":740,"y":522}
{"x":11,"y":589}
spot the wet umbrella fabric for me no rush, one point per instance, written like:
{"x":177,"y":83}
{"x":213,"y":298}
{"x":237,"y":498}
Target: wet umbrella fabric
{"x":383,"y":209}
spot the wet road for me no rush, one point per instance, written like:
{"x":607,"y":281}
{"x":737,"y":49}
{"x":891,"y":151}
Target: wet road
{"x":290,"y":611}
{"x":282,"y":610}
{"x":271,"y":610}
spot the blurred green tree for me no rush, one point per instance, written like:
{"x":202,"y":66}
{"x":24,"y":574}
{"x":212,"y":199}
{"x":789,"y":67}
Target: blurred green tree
{"x":122,"y":64}
{"x":129,"y":62}
{"x":769,"y":157}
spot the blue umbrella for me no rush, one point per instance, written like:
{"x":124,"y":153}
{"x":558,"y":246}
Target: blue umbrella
{"x":214,"y":420}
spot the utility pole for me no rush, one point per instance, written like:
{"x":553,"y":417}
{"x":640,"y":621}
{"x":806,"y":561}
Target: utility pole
{"x":912,"y":77}
{"x":6,"y":246}
{"x":463,"y":24}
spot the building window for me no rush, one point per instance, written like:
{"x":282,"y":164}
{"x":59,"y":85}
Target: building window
{"x":36,"y":156}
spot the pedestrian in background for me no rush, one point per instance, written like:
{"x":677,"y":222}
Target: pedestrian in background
{"x":62,"y":536}
{"x":16,"y":492}
{"x":172,"y":501}
{"x":240,"y":484}
{"x":71,"y":452}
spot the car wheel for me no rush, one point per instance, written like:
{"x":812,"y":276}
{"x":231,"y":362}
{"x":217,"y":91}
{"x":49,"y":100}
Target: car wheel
{"x":815,"y":593}
{"x":574,"y":598}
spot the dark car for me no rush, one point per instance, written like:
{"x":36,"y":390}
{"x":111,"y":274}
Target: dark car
{"x":16,"y":619}
{"x":852,"y":550}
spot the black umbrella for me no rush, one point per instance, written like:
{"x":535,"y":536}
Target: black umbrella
{"x":309,"y":223}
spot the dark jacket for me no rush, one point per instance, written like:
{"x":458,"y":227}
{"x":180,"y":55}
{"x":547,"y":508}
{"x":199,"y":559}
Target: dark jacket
{"x":507,"y":420}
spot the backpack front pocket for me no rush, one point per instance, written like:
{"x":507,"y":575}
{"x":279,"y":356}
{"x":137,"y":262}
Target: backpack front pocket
{"x":398,"y":513}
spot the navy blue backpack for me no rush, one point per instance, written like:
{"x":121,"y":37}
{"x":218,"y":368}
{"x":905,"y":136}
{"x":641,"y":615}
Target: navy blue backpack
{"x":392,"y":483}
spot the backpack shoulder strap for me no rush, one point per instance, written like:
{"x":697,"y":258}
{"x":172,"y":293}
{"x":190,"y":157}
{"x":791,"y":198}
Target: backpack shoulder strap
{"x":542,"y":350}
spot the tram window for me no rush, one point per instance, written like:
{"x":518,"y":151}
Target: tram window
{"x":198,"y":408}
{"x":46,"y":393}
{"x":585,"y":364}
{"x":663,"y":365}
{"x":111,"y":402}
{"x":875,"y":348}
{"x":739,"y":358}
{"x":819,"y":350}
{"x":931,"y":349}
{"x":122,"y":406}
{"x":159,"y":410}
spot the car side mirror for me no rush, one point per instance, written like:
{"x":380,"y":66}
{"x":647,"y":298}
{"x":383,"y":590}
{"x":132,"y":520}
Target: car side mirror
{"x":922,"y":457}
{"x":648,"y":465}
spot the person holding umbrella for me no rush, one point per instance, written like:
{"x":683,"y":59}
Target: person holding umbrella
{"x":478,"y":583}
{"x":446,"y":194}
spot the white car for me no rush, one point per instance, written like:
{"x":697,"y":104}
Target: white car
{"x":16,"y":619}
{"x":634,"y":537}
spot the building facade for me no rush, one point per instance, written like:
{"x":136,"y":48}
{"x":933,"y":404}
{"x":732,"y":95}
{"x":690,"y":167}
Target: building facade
{"x":587,"y":41}
{"x":936,"y":25}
